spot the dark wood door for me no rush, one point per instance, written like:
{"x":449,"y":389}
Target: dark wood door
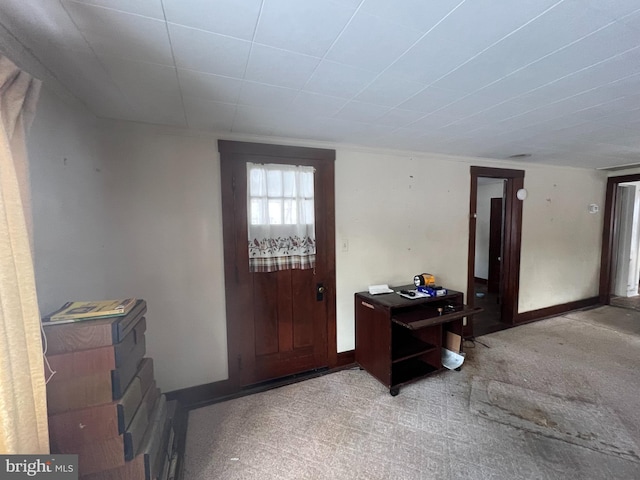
{"x":495,"y":245}
{"x":279,"y":323}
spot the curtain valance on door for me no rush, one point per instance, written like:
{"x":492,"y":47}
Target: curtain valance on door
{"x":280,"y":217}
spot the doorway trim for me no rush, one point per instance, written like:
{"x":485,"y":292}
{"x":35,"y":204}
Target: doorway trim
{"x":609,"y":229}
{"x":512,"y":241}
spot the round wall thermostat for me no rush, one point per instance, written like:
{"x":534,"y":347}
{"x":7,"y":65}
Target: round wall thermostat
{"x":521,"y":194}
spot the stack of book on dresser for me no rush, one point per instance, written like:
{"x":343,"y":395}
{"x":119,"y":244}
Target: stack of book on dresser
{"x":102,"y":400}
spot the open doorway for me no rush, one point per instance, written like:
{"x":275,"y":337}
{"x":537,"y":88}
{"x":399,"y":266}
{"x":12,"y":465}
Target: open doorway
{"x":618,"y":225}
{"x":490,"y":212}
{"x":497,"y":251}
{"x":625,"y":273}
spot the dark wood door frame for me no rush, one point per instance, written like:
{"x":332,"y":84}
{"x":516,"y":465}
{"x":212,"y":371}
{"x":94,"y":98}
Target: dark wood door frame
{"x":609,"y":230}
{"x":512,"y":240}
{"x":281,"y":154}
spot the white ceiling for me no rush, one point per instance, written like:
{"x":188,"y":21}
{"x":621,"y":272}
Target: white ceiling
{"x":557,"y":79}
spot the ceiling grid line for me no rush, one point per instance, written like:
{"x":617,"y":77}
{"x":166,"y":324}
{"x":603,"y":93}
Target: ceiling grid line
{"x":527,"y":66}
{"x":175,"y":67}
{"x":487,"y":78}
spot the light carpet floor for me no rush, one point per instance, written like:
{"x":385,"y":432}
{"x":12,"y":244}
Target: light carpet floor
{"x":555,"y":399}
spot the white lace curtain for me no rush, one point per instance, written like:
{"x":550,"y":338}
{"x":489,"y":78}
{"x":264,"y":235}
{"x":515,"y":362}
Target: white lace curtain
{"x":280,"y":217}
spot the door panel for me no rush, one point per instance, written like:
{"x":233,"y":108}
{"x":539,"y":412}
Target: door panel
{"x":495,"y":245}
{"x":276,"y":326}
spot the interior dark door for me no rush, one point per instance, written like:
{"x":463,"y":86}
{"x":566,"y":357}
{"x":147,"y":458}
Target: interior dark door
{"x":279,"y":323}
{"x":495,"y":245}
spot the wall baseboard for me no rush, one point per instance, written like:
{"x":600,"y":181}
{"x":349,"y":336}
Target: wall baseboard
{"x":199,"y":395}
{"x":209,"y":393}
{"x":555,"y":310}
{"x":346,"y":359}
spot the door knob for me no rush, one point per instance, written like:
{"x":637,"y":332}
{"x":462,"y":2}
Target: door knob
{"x":320,"y":292}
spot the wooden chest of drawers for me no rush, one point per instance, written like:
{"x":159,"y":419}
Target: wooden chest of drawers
{"x":103,"y":402}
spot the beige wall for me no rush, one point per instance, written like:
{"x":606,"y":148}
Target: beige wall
{"x":136,"y":211}
{"x":69,"y":194}
{"x":561,"y":240}
{"x":486,"y":191}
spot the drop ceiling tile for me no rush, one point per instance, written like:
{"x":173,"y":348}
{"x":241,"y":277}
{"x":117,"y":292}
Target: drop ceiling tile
{"x":529,"y":46}
{"x":43,"y":27}
{"x":425,"y":62}
{"x":371,"y":42}
{"x":361,"y":112}
{"x":632,"y":20}
{"x":152,"y":90}
{"x":226,"y":17}
{"x":344,"y":130}
{"x":483,"y":70}
{"x":429,"y":100}
{"x":121,"y":47}
{"x":452,"y":131}
{"x":253,"y":120}
{"x":321,"y":105}
{"x":209,"y":52}
{"x":468,"y":105}
{"x":612,"y":9}
{"x":516,"y":86}
{"x":87,"y":78}
{"x":111,"y":32}
{"x":390,"y":90}
{"x":209,"y":86}
{"x":626,"y":86}
{"x":142,"y":79}
{"x":584,"y":88}
{"x":429,"y":123}
{"x":310,"y":128}
{"x":488,"y":21}
{"x":584,"y":77}
{"x":397,"y":118}
{"x":267,"y":64}
{"x":493,"y":115}
{"x":624,"y":118}
{"x":209,"y":115}
{"x":368,"y":134}
{"x":558,"y":123}
{"x":262,"y":95}
{"x":160,"y":109}
{"x":416,"y":14}
{"x":147,"y":8}
{"x":308,"y":27}
{"x":630,"y":141}
{"x":336,"y":79}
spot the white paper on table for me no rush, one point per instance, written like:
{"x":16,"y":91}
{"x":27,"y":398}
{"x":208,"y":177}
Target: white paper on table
{"x":451,"y":360}
{"x":378,"y":289}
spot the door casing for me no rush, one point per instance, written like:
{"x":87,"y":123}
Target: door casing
{"x":512,"y":241}
{"x":609,"y":232}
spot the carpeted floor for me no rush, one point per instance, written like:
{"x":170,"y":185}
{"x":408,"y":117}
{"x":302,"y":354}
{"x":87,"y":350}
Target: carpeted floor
{"x":555,"y":399}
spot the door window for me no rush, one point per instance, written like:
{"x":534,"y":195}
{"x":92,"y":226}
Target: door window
{"x":280,"y":217}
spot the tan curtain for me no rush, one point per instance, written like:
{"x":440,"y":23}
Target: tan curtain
{"x":23,"y":408}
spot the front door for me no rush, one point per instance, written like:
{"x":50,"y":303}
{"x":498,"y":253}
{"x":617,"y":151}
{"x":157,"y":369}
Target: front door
{"x":283,"y":322}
